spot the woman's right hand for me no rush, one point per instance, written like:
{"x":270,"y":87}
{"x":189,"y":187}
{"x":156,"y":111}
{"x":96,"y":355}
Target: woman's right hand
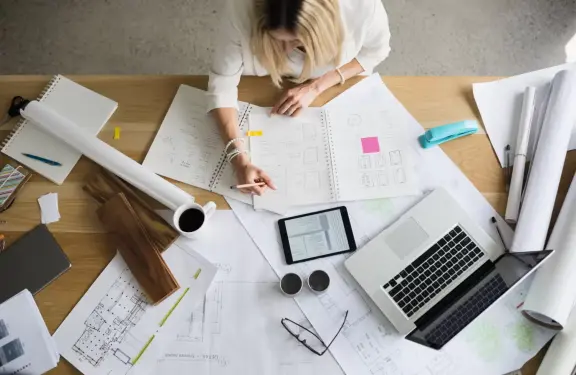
{"x":248,"y":173}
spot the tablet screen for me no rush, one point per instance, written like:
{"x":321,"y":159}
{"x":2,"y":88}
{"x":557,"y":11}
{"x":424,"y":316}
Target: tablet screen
{"x":316,"y":235}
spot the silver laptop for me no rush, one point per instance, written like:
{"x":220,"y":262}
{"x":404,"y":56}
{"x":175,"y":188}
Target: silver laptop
{"x":435,"y":270}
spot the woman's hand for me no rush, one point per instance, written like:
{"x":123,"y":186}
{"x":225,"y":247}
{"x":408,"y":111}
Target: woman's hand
{"x":248,"y":173}
{"x":296,"y":99}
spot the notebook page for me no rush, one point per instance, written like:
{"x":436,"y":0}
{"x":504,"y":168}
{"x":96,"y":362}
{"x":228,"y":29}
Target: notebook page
{"x":372,"y":157}
{"x":295,"y":154}
{"x":86,"y":108}
{"x":188,"y":147}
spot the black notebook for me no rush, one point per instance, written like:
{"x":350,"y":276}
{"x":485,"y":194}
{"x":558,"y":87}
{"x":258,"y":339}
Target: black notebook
{"x":32,"y":262}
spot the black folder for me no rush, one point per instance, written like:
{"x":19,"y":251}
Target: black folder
{"x":32,"y":262}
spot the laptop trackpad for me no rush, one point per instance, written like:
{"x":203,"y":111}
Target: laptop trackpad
{"x":406,"y":238}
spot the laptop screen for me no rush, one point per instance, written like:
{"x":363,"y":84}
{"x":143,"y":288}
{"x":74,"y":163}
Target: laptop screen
{"x":472,"y":296}
{"x":513,"y":266}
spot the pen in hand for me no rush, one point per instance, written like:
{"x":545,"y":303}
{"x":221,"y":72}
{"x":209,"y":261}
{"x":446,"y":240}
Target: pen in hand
{"x":237,"y":187}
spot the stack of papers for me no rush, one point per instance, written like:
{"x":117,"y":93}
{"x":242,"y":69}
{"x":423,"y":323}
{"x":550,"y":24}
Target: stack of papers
{"x":25,"y":344}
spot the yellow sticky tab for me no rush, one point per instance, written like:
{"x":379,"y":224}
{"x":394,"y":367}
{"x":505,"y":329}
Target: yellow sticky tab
{"x":254,"y":133}
{"x":197,"y":274}
{"x":116,"y":133}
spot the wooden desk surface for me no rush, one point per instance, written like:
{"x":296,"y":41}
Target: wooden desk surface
{"x":143,"y":102}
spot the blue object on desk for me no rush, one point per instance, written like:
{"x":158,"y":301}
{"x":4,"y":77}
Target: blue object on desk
{"x":43,"y":160}
{"x":445,"y":133}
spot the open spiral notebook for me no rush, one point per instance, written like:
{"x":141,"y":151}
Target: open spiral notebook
{"x":188,"y":148}
{"x":78,"y":104}
{"x":336,"y":155}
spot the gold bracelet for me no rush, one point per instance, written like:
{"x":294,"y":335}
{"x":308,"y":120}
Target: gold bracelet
{"x":342,"y":79}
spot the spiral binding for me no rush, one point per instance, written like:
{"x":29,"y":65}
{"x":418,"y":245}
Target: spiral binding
{"x":334,"y":185}
{"x":21,"y":124}
{"x":215,"y":179}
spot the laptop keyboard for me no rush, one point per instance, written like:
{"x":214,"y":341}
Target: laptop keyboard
{"x":432,"y":271}
{"x":467,"y":312}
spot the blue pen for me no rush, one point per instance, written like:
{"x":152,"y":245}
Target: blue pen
{"x":43,"y":160}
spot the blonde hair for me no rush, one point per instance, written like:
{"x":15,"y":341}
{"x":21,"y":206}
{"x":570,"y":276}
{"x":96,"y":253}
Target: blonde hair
{"x":318,"y":27}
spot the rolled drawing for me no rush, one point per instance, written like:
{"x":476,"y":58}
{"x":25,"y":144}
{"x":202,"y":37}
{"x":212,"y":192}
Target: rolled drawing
{"x":111,"y":159}
{"x":552,"y":295}
{"x":560,"y":358}
{"x":520,"y":152}
{"x":546,"y":170}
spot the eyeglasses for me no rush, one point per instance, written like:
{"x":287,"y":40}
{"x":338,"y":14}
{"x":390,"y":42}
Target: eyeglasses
{"x":309,"y":339}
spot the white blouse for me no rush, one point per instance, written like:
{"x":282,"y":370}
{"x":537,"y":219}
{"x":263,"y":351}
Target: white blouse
{"x":367,"y":38}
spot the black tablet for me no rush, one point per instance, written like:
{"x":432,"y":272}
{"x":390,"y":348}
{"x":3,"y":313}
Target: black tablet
{"x":316,"y":235}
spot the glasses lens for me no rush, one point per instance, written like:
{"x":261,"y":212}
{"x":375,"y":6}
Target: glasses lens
{"x":304,"y":336}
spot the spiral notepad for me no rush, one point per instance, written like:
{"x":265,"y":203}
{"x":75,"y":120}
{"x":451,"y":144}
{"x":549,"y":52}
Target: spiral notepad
{"x":82,"y":106}
{"x":188,"y":147}
{"x":337,"y":155}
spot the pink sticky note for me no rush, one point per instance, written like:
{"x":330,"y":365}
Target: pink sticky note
{"x":370,"y":145}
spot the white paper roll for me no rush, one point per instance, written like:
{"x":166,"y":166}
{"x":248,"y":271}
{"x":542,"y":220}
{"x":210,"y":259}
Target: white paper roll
{"x":107,"y":156}
{"x":520,"y":154}
{"x":560,"y":359}
{"x":552,"y":294}
{"x":547,"y":165}
{"x":116,"y":162}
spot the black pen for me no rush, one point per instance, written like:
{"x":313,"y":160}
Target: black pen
{"x":507,"y":172}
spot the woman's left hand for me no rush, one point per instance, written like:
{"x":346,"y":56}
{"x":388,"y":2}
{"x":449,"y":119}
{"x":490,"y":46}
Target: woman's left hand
{"x":296,"y":99}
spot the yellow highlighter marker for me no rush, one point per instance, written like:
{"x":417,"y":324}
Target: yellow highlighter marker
{"x":143,"y":350}
{"x":173,"y":307}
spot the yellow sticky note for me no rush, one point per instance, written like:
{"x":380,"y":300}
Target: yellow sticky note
{"x":116,"y":133}
{"x":254,"y":133}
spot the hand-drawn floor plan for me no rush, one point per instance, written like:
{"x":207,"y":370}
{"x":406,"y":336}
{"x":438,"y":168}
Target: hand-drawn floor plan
{"x":114,"y":330}
{"x":108,"y":326}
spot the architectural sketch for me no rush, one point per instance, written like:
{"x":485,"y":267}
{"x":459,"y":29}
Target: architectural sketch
{"x":367,"y":180}
{"x":395,"y":157}
{"x":354,"y":121}
{"x":309,"y":132}
{"x":400,"y":176}
{"x":193,"y":329}
{"x":312,"y":180}
{"x":109,"y":324}
{"x":364,"y":162}
{"x":382,"y":178}
{"x":311,"y":155}
{"x":379,"y":160}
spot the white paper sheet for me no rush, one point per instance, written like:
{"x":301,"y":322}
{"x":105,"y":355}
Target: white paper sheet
{"x":25,"y":343}
{"x":547,"y":165}
{"x":552,"y":293}
{"x":501,"y":340}
{"x":500,"y":104}
{"x":237,"y":329}
{"x":114,"y":330}
{"x":49,"y":208}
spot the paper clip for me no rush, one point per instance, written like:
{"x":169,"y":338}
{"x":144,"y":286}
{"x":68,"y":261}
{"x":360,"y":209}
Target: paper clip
{"x":254,"y":133}
{"x":117,"y":133}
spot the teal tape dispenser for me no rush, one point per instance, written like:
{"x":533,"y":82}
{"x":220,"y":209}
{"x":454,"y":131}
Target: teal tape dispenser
{"x":445,"y":133}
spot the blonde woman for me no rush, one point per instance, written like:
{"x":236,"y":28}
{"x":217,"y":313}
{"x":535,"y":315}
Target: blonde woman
{"x":315,"y":43}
